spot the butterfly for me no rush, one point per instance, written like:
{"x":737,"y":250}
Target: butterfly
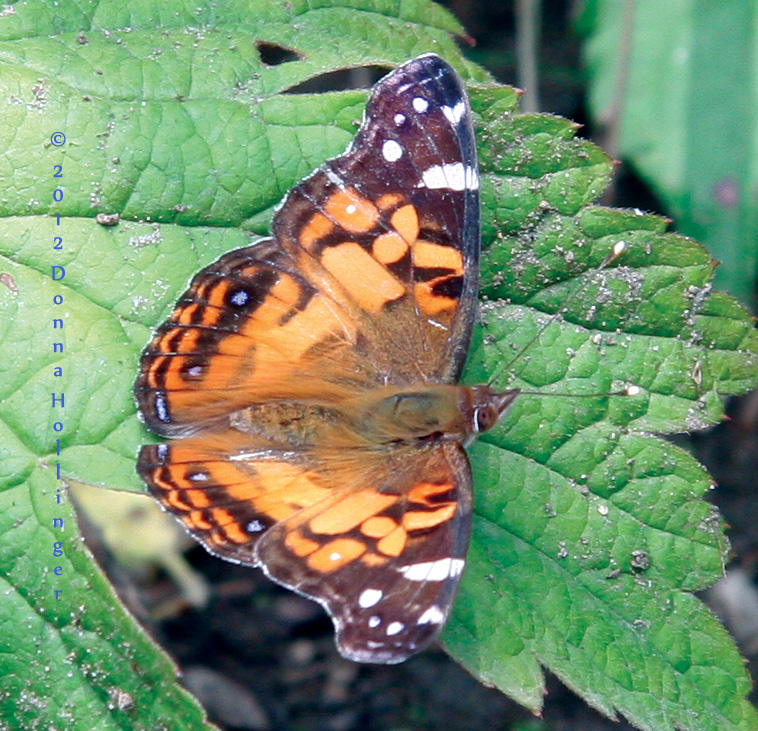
{"x":309,"y":382}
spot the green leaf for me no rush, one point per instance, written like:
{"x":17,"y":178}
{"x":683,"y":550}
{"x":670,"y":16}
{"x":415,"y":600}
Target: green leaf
{"x":688,"y":120}
{"x":589,"y":532}
{"x":79,"y":662}
{"x":177,"y":125}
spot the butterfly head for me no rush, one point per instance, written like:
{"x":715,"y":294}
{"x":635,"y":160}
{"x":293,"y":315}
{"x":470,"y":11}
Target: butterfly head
{"x":482,"y":408}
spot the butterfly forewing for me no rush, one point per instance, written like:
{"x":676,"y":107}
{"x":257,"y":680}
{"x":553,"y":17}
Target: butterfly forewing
{"x":251,"y":328}
{"x":368,"y":284}
{"x":391,"y":227}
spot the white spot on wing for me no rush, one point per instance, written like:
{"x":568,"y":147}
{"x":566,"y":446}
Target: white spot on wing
{"x":395,"y":627}
{"x":335,"y":556}
{"x":454,"y":114}
{"x":472,"y":178}
{"x":433,"y":615}
{"x":255,"y":526}
{"x":370,"y":597}
{"x":374,"y":621}
{"x":334,"y":178}
{"x":351,"y":208}
{"x":452,"y":175}
{"x":391,"y":151}
{"x":161,"y":408}
{"x":239,"y":298}
{"x":433,"y":570}
{"x":399,"y":119}
{"x":433,"y":177}
{"x":420,"y":104}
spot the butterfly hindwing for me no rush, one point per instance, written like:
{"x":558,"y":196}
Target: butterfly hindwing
{"x":378,"y":539}
{"x":384,"y":559}
{"x":227,"y":502}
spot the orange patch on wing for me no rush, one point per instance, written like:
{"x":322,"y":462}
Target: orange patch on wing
{"x":388,"y":200}
{"x":308,"y":326}
{"x":187,"y":314}
{"x":186,"y":499}
{"x":373,"y":559}
{"x":378,"y":526}
{"x":350,"y":210}
{"x":203,"y":287}
{"x":419,"y":520}
{"x":430,"y":303}
{"x":277,"y":347}
{"x":317,"y":227}
{"x":435,"y":256}
{"x":172,"y":379}
{"x":364,"y":278}
{"x":350,"y":512}
{"x":216,"y":372}
{"x":185,"y":339}
{"x":299,"y":544}
{"x":216,"y":295}
{"x":425,"y":492}
{"x":176,"y":500}
{"x":287,"y":290}
{"x":336,"y":554}
{"x":230,"y":528}
{"x":394,"y":543}
{"x":389,"y":248}
{"x":285,"y":490}
{"x":405,"y":221}
{"x":236,"y":345}
{"x":197,"y":519}
{"x":151,"y":371}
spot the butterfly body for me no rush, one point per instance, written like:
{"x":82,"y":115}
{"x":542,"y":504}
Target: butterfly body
{"x":309,"y":382}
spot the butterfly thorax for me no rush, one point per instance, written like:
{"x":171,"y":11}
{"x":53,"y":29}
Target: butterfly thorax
{"x":429,"y":412}
{"x":384,"y":416}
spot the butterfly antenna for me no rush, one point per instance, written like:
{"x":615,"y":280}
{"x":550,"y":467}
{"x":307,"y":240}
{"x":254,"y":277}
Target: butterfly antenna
{"x":618,"y":248}
{"x":626,"y":391}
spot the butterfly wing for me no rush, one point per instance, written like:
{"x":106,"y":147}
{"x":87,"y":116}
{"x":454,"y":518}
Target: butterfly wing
{"x":379,"y":539}
{"x":371,"y":277}
{"x":250,"y":329}
{"x":390,"y":229}
{"x":386,"y":557}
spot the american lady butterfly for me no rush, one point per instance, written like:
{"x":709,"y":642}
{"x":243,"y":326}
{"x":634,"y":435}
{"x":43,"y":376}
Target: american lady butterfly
{"x":308,"y":381}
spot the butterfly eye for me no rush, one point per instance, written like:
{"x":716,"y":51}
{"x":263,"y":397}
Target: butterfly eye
{"x":485,"y":417}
